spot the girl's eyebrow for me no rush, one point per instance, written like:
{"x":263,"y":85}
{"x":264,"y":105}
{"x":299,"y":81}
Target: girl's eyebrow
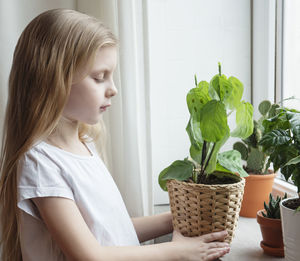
{"x":99,"y":71}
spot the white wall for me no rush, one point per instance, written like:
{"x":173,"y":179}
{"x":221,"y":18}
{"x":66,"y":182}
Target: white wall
{"x":188,"y":37}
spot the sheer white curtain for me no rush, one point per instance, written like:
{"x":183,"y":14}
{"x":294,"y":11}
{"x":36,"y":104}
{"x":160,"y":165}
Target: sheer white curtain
{"x":128,"y":120}
{"x":128,"y":125}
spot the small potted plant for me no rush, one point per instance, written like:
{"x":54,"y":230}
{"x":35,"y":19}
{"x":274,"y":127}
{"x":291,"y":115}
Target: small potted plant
{"x":206,"y":188}
{"x":260,"y":180}
{"x":283,"y":144}
{"x":270,"y":226}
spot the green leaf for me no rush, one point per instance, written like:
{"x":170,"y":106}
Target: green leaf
{"x":225,"y":89}
{"x":220,"y":88}
{"x":220,"y":168}
{"x":214,"y":88}
{"x":264,"y":107}
{"x":241,"y":148}
{"x":221,"y":175}
{"x":213,"y":160}
{"x":198,"y":97}
{"x":293,"y":161}
{"x":273,"y":123}
{"x":296,"y":178}
{"x":272,"y":111}
{"x":295,"y":124}
{"x":213,"y":121}
{"x":231,"y":160}
{"x":196,"y":154}
{"x":275,"y":138}
{"x":194,"y":132}
{"x":179,"y":170}
{"x":244,"y":121}
{"x":281,"y":155}
{"x":236,"y":94}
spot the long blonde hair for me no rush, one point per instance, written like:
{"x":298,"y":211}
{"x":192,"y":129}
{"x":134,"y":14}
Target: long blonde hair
{"x":53,"y":46}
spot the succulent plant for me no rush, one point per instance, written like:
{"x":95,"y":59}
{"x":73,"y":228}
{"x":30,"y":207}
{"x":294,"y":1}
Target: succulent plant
{"x":249,"y":148}
{"x":273,"y":208}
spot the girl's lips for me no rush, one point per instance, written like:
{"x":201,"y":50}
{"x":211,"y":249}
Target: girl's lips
{"x":103,"y":108}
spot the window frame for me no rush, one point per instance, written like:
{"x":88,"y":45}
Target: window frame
{"x":267,"y":64}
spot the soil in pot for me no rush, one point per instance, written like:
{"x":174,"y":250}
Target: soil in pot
{"x":290,"y":228}
{"x":292,"y":203}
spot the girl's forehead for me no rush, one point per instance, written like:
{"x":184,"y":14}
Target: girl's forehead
{"x":105,"y":60}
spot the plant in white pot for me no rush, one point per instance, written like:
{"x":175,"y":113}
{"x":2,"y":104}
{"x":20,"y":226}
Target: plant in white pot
{"x":283,"y":144}
{"x":206,"y":189}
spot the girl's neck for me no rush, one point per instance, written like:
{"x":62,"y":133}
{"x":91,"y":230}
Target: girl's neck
{"x":66,"y":137}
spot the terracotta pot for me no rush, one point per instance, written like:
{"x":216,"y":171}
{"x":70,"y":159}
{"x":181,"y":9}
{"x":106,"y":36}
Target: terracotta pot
{"x":271,"y":231}
{"x":257,"y":190}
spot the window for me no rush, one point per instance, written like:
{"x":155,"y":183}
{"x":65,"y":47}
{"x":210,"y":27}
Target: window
{"x":290,"y":53}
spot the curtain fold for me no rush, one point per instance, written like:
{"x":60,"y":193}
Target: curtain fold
{"x":128,"y":120}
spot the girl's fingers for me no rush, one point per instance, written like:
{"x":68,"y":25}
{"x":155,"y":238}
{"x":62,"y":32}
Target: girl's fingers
{"x":217,"y":245}
{"x":213,"y":254}
{"x":216,"y":236}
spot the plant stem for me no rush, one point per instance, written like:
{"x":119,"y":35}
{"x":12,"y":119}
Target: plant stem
{"x":196,"y":82}
{"x":204,"y":152}
{"x":194,"y":176}
{"x":210,"y":154}
{"x":219,"y":65}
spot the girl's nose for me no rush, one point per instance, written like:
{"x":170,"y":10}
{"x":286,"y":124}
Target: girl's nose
{"x":112,"y":90}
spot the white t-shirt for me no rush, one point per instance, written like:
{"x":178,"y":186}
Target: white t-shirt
{"x":47,"y":171}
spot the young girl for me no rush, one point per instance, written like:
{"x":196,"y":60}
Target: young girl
{"x":58,"y":201}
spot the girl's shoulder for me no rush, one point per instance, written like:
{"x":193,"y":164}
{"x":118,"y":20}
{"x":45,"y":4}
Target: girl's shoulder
{"x":38,"y":155}
{"x":51,"y":151}
{"x":42,"y":154}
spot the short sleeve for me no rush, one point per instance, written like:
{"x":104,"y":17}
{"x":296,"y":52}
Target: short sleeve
{"x":39,"y":176}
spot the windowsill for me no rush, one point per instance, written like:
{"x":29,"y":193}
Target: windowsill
{"x":280,"y":187}
{"x":246,"y":243}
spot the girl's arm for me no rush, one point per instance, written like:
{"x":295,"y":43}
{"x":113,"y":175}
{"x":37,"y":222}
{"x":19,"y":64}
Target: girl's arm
{"x":150,"y":227}
{"x":69,"y":230}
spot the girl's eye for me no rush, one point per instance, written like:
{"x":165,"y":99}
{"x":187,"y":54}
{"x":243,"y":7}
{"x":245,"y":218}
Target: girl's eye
{"x":99,"y":80}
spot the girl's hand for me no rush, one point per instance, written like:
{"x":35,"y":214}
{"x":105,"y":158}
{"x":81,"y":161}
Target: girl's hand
{"x":201,"y":248}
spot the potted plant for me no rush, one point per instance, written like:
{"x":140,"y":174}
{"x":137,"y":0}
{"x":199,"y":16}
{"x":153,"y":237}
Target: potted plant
{"x":270,"y":226}
{"x":260,"y":180}
{"x":206,"y":188}
{"x":283,"y":144}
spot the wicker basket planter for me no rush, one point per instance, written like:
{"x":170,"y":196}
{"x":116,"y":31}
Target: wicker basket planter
{"x":199,"y":209}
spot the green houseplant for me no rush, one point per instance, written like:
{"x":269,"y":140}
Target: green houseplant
{"x":260,"y":180}
{"x":270,"y":226}
{"x":211,"y":177}
{"x":282,"y":142}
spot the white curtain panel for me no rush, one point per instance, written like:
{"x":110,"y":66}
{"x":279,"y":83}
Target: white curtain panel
{"x":128,"y":124}
{"x":128,"y":120}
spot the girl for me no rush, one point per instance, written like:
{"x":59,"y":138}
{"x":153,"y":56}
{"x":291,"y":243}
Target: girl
{"x":58,"y":201}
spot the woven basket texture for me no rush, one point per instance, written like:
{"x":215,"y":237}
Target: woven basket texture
{"x":199,"y":209}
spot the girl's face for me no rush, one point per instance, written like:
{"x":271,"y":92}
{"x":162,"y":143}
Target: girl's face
{"x":89,"y":97}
